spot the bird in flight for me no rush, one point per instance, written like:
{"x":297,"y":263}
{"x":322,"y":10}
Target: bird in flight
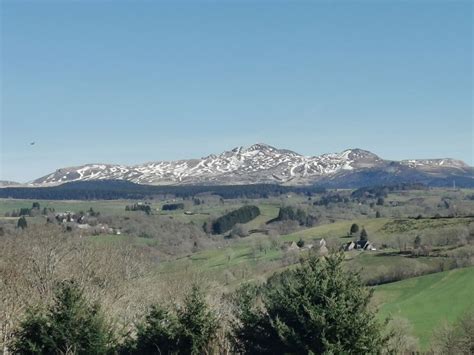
{"x":32,"y":143}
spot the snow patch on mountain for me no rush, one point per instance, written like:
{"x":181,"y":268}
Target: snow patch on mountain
{"x":259,"y":163}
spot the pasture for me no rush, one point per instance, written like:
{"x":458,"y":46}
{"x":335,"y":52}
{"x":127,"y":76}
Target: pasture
{"x":428,"y":301}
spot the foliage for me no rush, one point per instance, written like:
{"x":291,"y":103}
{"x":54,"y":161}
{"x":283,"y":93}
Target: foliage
{"x":190,"y":329}
{"x":316,"y":308}
{"x":242,"y":215}
{"x":119,"y":189}
{"x":457,"y":338}
{"x":22,"y":223}
{"x":382,"y":191}
{"x":363,"y":234}
{"x":289,"y":213}
{"x":69,"y":325}
{"x":145,"y":207}
{"x":172,"y":206}
{"x":354,"y":228}
{"x":417,"y":242}
{"x":331,"y":197}
{"x":300,"y":243}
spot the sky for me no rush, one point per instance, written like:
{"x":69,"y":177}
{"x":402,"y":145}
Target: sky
{"x":135,"y":81}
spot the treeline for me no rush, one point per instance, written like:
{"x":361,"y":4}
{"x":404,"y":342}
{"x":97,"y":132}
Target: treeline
{"x":226,"y":222}
{"x":172,"y":207}
{"x":120,"y":189}
{"x":289,"y":213}
{"x":382,"y":191}
{"x":145,"y":207}
{"x":297,"y":312}
{"x":332,"y":197}
{"x":32,"y":211}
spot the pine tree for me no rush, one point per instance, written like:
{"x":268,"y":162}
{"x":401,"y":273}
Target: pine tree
{"x":191,"y":329}
{"x":363,"y":234}
{"x":317,"y":308}
{"x":71,"y":324}
{"x":197,"y":324}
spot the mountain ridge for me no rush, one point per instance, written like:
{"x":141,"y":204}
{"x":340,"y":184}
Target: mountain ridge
{"x":258,"y":163}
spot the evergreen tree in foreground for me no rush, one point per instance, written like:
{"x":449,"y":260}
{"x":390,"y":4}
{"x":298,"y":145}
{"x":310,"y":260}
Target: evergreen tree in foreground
{"x":316,"y":308}
{"x":70,"y":325}
{"x":191,"y":329}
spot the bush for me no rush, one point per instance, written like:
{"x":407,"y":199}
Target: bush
{"x":317,"y":308}
{"x":69,"y":325}
{"x":354,"y":228}
{"x":457,"y":338}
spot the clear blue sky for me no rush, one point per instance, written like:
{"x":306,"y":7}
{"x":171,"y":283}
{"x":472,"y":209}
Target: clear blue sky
{"x":135,"y":81}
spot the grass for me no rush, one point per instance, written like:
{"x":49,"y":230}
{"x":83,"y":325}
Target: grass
{"x":429,"y":300}
{"x":103,"y":206}
{"x":258,"y":257}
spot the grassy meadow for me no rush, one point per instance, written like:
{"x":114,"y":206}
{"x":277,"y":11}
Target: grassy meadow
{"x":428,"y":301}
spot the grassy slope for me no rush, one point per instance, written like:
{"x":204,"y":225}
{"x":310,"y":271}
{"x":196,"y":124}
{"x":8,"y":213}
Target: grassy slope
{"x":245,"y":252}
{"x":427,"y":301}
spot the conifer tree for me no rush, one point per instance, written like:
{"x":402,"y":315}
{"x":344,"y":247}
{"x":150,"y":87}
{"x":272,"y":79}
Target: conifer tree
{"x":70,"y":325}
{"x":317,"y":308}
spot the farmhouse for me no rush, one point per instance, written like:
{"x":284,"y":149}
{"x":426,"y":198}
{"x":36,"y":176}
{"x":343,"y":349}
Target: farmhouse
{"x":358,"y":245}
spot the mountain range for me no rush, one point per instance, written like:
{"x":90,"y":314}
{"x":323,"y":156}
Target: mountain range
{"x":262,"y":163}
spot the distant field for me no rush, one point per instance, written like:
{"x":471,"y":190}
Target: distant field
{"x":256,"y":255}
{"x":103,"y":206}
{"x":427,"y":301}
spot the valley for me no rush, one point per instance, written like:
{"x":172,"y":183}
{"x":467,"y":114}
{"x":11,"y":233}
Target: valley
{"x":417,"y":233}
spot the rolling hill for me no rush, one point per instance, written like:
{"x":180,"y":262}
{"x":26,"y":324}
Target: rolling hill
{"x":429,"y":300}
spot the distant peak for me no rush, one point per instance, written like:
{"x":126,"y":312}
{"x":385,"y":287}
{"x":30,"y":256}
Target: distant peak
{"x":359,"y":153}
{"x":260,"y":147}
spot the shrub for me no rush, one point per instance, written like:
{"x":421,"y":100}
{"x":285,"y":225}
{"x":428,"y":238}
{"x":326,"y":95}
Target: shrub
{"x":354,"y":228}
{"x":300,"y":243}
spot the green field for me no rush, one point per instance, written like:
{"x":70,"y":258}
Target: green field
{"x":103,"y":206}
{"x":252,"y":257}
{"x":427,"y":301}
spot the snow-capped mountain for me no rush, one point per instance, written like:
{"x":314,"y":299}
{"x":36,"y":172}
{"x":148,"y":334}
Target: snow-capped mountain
{"x":259,"y":163}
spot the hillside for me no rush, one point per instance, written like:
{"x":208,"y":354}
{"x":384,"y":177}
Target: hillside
{"x":427,"y":301}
